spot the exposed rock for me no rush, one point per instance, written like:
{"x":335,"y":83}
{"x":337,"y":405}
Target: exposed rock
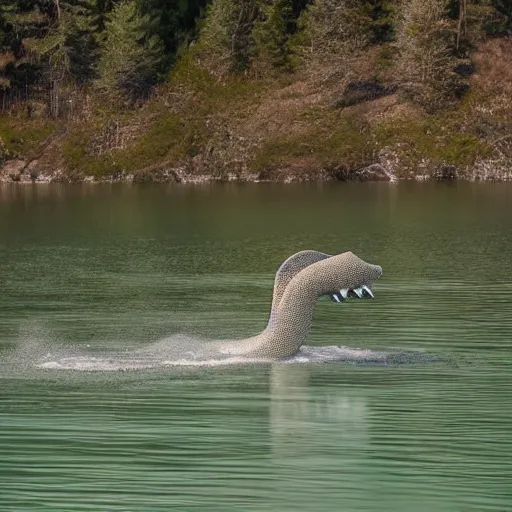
{"x":12,"y":170}
{"x":445,"y":173}
{"x":299,"y":170}
{"x":495,"y":169}
{"x":374,"y":172}
{"x":155,"y":175}
{"x":21,"y":171}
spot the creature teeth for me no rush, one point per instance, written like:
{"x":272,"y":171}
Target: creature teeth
{"x":336,"y":298}
{"x":359,"y":292}
{"x":368,"y":291}
{"x":344,"y":293}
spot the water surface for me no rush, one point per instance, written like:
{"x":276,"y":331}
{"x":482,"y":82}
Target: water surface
{"x":120,"y":268}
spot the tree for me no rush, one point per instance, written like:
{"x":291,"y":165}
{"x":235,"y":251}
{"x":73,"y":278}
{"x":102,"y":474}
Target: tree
{"x":51,"y":43}
{"x":174,"y":22}
{"x":70,"y":43}
{"x":426,"y":63}
{"x":130,"y":55}
{"x":472,"y":19}
{"x":272,"y":32}
{"x":337,"y":26}
{"x":68,"y":48}
{"x":503,"y":21}
{"x":382,"y":24}
{"x":226,"y":40}
{"x":19,"y":20}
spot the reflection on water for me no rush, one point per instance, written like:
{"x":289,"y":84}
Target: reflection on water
{"x":96,"y":271}
{"x":297,"y":417}
{"x":318,"y":441}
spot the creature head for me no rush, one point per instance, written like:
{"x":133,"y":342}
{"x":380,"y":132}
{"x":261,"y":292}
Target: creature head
{"x":340,"y":276}
{"x":344,"y":275}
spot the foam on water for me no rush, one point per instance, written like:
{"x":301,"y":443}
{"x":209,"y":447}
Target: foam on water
{"x":155,"y":357}
{"x":36,"y":350}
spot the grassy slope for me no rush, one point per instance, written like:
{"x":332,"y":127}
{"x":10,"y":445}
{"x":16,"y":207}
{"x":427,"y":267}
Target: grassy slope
{"x":281,"y":128}
{"x":22,"y":136}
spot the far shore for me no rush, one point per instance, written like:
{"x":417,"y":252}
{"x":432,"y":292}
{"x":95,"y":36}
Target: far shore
{"x":21,"y":172}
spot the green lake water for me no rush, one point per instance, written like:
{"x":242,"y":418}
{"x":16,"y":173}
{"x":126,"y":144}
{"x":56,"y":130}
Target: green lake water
{"x":104,"y":269}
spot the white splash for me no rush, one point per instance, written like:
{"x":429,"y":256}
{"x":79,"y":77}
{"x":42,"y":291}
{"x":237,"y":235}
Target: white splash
{"x":159,"y":360}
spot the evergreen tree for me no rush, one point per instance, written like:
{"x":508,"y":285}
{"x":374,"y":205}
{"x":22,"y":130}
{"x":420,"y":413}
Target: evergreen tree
{"x":69,"y":46}
{"x":226,"y":42}
{"x":6,"y":55}
{"x":473,"y":18}
{"x":130,"y":55}
{"x":502,"y":23}
{"x":174,"y":22}
{"x":20,"y":20}
{"x":337,"y":27}
{"x":426,"y":64}
{"x":381,"y":14}
{"x":272,"y":32}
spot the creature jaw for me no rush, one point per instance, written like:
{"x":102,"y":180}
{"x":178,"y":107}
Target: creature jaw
{"x":357,"y":282}
{"x":360,"y":292}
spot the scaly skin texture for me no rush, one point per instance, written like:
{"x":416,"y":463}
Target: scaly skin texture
{"x":300,"y":281}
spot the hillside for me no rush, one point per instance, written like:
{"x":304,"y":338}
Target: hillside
{"x":332,"y":106}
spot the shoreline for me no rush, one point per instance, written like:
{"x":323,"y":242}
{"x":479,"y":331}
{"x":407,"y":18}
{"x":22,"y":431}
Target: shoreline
{"x":21,"y":172}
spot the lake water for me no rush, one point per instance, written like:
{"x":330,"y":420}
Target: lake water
{"x":102,"y":269}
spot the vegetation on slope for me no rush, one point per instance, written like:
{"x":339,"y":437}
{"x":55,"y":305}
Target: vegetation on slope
{"x":256,"y":89}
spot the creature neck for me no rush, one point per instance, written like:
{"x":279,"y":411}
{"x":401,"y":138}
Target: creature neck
{"x":290,"y":321}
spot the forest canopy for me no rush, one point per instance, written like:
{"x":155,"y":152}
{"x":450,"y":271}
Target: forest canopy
{"x":125,"y":47}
